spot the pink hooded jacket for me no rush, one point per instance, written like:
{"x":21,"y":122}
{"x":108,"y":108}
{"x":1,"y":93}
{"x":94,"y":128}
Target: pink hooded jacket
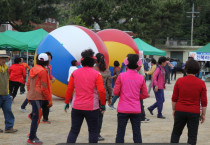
{"x":128,"y":86}
{"x":159,"y":77}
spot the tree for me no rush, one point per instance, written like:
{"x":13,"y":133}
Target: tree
{"x":151,"y":20}
{"x":201,"y":35}
{"x":20,"y":13}
{"x":202,"y":21}
{"x":94,"y":11}
{"x":67,"y":17}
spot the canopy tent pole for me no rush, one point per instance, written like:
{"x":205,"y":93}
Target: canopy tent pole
{"x":27,"y":64}
{"x":27,"y":57}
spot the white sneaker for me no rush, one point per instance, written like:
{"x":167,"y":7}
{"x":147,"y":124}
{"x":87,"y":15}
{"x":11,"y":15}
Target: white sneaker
{"x":146,"y":120}
{"x":23,"y":110}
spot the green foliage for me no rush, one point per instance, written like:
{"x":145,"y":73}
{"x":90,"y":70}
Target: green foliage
{"x":67,"y":17}
{"x":151,"y":20}
{"x":91,"y":11}
{"x":26,"y":11}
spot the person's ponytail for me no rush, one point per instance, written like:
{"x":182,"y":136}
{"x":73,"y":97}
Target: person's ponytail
{"x":101,"y":62}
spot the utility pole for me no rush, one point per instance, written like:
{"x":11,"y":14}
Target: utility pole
{"x":193,"y":16}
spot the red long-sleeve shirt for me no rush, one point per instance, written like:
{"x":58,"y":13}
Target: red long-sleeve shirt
{"x":17,"y":73}
{"x":189,"y":93}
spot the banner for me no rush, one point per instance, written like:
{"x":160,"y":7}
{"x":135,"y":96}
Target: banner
{"x":200,"y":56}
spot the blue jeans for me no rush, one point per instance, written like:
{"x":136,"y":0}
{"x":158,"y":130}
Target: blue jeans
{"x":36,"y":116}
{"x":5,"y":104}
{"x":159,"y":95}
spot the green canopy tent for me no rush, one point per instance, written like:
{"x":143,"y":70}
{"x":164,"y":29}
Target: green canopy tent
{"x":32,"y":38}
{"x":148,"y":49}
{"x":205,"y":49}
{"x":10,"y":44}
{"x":201,"y":54}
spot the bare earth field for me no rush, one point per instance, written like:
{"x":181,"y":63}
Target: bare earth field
{"x":156,"y":131}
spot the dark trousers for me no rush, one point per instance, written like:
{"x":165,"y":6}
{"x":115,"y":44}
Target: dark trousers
{"x":181,"y":119}
{"x":25,"y":103}
{"x":22,"y":88}
{"x":77,"y":117}
{"x":146,"y":77}
{"x":36,"y":116}
{"x":173,"y":72}
{"x":122,"y":119}
{"x":45,"y":109}
{"x":159,"y":95}
{"x":13,"y":88}
{"x":167,"y":75}
{"x":100,"y":121}
{"x":142,"y":114}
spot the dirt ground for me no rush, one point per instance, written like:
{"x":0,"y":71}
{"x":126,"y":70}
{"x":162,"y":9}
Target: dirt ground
{"x":156,"y":131}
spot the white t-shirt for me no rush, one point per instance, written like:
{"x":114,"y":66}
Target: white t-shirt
{"x":71,"y":69}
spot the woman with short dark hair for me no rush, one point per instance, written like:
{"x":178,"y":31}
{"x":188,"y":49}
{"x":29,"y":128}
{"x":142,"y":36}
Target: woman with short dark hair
{"x":85,"y":103}
{"x":158,"y":83}
{"x":131,"y":88}
{"x":189,"y":93}
{"x":17,"y":76}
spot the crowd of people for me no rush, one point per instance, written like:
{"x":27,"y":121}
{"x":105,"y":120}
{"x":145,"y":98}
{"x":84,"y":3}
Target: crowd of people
{"x":88,"y":95}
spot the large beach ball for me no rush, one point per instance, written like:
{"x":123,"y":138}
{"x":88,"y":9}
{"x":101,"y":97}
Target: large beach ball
{"x":119,"y":44}
{"x":66,"y":44}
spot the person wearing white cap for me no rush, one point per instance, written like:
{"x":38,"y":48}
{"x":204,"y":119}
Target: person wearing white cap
{"x":39,"y":90}
{"x":5,"y":99}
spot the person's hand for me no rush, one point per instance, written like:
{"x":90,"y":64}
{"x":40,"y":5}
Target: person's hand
{"x":102,"y":112}
{"x":66,"y":106}
{"x":50,"y":104}
{"x":110,"y":101}
{"x":156,"y":88}
{"x":173,"y":113}
{"x":102,"y":109}
{"x":53,"y":80}
{"x":202,"y":118}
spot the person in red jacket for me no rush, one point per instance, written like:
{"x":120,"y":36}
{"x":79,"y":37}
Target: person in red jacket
{"x":88,"y":86}
{"x":189,"y":94}
{"x":17,"y":76}
{"x":39,"y":90}
{"x":22,"y":86}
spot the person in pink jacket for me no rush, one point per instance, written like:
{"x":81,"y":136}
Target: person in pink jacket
{"x":85,"y":82}
{"x":131,"y":88}
{"x":158,"y":83}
